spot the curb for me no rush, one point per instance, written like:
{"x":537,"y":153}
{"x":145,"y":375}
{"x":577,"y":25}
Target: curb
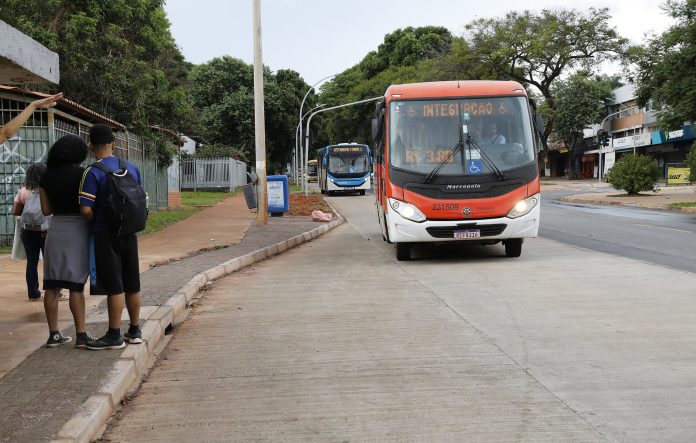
{"x":631,"y":205}
{"x":92,"y":416}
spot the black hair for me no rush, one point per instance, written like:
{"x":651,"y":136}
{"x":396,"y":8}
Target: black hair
{"x":68,"y":150}
{"x":33,"y":175}
{"x":100,"y":135}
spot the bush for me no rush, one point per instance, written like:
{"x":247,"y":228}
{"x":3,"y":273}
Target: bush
{"x":691,"y":161}
{"x":634,"y":173}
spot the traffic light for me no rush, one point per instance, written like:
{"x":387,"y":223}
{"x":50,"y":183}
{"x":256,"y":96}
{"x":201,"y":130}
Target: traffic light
{"x":602,"y":138}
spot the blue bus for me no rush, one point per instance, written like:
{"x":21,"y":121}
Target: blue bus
{"x":345,"y":167}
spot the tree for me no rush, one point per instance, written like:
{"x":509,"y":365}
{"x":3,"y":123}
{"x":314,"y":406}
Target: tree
{"x":666,"y":67}
{"x":580,"y":102}
{"x":223,"y":91}
{"x":538,"y":49}
{"x":691,"y":162}
{"x":634,"y":173}
{"x":117,"y":57}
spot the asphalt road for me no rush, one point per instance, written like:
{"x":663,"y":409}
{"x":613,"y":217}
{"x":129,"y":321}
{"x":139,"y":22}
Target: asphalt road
{"x":659,"y":237}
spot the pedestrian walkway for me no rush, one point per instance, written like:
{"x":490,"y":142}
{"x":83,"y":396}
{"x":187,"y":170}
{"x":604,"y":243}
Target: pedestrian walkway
{"x":46,"y":387}
{"x":23,"y":324}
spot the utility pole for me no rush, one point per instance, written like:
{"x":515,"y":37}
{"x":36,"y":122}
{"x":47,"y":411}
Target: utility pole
{"x":259,"y":122}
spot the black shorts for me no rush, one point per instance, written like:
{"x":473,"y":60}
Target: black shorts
{"x":116,"y":262}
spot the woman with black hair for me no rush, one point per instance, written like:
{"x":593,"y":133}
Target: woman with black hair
{"x":33,"y":224}
{"x":66,"y":254}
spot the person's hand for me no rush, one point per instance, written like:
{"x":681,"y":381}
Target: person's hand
{"x":47,"y":102}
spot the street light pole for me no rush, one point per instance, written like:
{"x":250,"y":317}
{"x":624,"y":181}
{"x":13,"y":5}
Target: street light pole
{"x":259,"y":122}
{"x":300,"y":122}
{"x":298,"y":141}
{"x":599,"y":151}
{"x":309,"y":120}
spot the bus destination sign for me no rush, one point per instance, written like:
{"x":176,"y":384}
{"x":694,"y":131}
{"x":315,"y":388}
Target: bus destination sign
{"x":479,"y":107}
{"x":339,"y":149}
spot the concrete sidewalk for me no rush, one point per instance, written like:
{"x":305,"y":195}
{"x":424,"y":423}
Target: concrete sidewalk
{"x":68,"y":393}
{"x":23,"y":324}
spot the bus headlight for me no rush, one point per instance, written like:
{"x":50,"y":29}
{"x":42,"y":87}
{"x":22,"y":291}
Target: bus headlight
{"x":407,"y":210}
{"x":524,"y":206}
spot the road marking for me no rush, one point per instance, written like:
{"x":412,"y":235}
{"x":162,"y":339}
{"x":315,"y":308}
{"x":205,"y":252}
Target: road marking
{"x":659,"y":227}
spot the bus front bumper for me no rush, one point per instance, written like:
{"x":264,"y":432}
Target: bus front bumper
{"x":492,"y":229}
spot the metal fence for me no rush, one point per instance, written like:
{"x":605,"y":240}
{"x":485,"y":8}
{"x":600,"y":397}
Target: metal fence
{"x":212,"y":173}
{"x":32,"y":142}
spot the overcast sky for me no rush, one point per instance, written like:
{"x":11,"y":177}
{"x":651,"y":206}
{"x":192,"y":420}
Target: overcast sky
{"x":319,"y":38}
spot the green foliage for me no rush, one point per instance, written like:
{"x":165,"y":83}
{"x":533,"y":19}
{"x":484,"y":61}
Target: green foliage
{"x":223,"y":92}
{"x":117,"y":57}
{"x":537,"y":49}
{"x":666,"y":67}
{"x":691,"y":162}
{"x":634,"y":173}
{"x":203,"y":198}
{"x":159,"y":220}
{"x":580,"y":101}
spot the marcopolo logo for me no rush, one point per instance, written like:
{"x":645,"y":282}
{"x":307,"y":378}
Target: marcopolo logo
{"x":462,"y":187}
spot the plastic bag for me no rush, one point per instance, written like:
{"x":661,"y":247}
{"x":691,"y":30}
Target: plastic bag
{"x":321,"y":216}
{"x":18,"y":252}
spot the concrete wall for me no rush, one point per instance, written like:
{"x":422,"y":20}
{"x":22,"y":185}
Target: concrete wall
{"x":24,"y":60}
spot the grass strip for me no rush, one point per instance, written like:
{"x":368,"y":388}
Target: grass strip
{"x":159,"y":220}
{"x":684,"y":204}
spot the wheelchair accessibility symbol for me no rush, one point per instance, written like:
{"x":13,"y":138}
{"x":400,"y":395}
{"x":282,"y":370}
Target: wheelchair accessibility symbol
{"x":474,"y":166}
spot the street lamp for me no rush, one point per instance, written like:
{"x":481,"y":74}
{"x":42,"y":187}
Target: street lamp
{"x":309,"y":120}
{"x":297,"y":141}
{"x":601,"y":125}
{"x":300,"y":115}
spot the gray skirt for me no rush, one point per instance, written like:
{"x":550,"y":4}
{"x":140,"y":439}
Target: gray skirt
{"x":66,"y":253}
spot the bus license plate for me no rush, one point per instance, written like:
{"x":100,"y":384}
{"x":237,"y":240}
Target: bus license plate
{"x":470,"y":233}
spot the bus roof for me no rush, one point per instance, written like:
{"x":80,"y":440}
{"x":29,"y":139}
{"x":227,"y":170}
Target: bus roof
{"x":457,"y":88}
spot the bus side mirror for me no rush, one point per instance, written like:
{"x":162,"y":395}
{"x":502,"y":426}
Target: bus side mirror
{"x":375,"y":128}
{"x":539,"y":123}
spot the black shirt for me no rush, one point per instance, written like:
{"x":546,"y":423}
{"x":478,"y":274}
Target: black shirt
{"x":62,"y":186}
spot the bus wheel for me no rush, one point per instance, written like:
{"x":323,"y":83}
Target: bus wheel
{"x":513,"y":247}
{"x":362,"y":192}
{"x":403,"y":251}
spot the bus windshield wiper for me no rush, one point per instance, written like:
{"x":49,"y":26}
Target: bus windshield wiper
{"x":448,"y":157}
{"x":498,"y":173}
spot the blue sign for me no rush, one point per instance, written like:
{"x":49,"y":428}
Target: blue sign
{"x":685,"y":133}
{"x":278,"y":194}
{"x":474,"y":166}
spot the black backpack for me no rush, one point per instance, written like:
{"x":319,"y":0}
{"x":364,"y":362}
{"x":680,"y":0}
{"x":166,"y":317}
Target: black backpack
{"x":127,"y":201}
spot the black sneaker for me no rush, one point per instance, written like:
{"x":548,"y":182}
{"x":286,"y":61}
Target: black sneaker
{"x":134,"y":335}
{"x":106,"y":342}
{"x":57,"y":340}
{"x":82,"y":342}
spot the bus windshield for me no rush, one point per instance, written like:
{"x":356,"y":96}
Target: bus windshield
{"x":422,"y":134}
{"x":348,"y":160}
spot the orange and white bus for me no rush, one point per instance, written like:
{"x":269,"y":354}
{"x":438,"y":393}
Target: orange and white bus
{"x":457,"y":161}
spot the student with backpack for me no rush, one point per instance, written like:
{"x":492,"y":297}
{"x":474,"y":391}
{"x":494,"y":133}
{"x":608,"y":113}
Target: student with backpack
{"x":66,"y":252}
{"x":113,"y":200}
{"x":33,"y":225}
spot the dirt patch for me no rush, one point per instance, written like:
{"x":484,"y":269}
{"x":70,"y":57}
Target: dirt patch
{"x":301,"y":204}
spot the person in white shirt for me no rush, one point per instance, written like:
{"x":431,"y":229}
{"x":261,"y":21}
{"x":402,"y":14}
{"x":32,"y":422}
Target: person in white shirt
{"x":492,"y":137}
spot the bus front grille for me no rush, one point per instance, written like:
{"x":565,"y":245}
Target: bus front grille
{"x":448,"y":231}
